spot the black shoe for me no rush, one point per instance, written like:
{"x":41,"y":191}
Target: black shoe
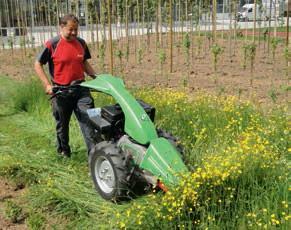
{"x":64,"y":154}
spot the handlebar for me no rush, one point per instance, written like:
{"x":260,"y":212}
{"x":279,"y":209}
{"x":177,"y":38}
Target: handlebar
{"x":58,"y":90}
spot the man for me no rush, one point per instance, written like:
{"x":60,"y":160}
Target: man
{"x":67,"y":57}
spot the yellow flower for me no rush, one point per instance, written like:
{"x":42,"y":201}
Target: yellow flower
{"x":127,"y":213}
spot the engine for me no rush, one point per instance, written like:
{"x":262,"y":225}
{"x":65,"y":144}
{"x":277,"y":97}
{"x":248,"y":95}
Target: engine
{"x":109,"y":121}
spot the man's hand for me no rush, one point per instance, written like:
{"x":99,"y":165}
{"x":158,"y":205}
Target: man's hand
{"x":89,"y":69}
{"x":93,"y":76}
{"x":49,"y":89}
{"x":42,"y":76}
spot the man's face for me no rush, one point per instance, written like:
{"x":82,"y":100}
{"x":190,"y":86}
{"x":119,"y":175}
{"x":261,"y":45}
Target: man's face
{"x":69,"y":31}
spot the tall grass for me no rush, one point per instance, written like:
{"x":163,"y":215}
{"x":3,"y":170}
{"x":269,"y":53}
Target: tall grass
{"x":237,"y":155}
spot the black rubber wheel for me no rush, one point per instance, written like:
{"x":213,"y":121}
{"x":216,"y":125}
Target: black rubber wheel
{"x":173,"y":140}
{"x":109,"y":171}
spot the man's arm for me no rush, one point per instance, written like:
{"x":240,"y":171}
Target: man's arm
{"x":89,"y":69}
{"x":38,"y":67}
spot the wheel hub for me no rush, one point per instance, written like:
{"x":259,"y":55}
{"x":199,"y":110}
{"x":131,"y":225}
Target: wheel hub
{"x":105,"y":174}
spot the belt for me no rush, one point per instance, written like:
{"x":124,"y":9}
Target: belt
{"x":76,"y":82}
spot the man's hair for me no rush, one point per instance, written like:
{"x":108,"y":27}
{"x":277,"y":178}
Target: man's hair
{"x":69,"y":17}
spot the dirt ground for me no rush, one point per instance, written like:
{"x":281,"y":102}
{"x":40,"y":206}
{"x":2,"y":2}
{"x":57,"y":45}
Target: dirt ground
{"x":9,"y":192}
{"x":270,"y":78}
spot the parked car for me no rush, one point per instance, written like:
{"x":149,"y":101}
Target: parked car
{"x":263,"y":12}
{"x":247,"y":13}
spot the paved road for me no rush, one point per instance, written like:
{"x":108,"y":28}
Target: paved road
{"x":38,"y":35}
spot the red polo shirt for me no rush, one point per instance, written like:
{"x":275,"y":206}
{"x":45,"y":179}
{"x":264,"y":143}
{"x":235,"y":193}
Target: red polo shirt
{"x":66,"y":59}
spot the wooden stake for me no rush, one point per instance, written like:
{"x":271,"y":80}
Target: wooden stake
{"x":110,"y":37}
{"x":287,"y":25}
{"x":171,"y":37}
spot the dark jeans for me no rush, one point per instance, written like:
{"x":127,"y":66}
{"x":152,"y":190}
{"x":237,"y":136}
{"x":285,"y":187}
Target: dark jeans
{"x":79,"y":100}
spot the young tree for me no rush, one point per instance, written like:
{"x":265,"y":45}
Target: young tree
{"x":186,"y":45}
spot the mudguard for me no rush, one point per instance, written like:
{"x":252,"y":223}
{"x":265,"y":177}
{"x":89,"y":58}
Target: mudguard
{"x":163,"y":161}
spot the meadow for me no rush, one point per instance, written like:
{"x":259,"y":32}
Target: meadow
{"x":237,"y":154}
{"x":222,"y":87}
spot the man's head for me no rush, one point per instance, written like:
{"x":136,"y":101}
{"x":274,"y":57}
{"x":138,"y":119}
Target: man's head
{"x":69,"y":26}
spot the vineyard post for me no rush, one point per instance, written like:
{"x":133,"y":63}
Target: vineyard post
{"x":260,"y":7}
{"x":138,"y":23}
{"x":157,"y":24}
{"x":143,"y":16}
{"x":192,"y":28}
{"x":1,"y":38}
{"x":49,"y":19}
{"x":179,"y":19}
{"x":171,"y":37}
{"x":86,"y":19}
{"x":214,"y":21}
{"x":235,"y":7}
{"x":103,"y":21}
{"x":161,"y":23}
{"x":287,"y":24}
{"x":230,"y":3}
{"x":32,"y":23}
{"x":269,"y":27}
{"x":148,"y":25}
{"x":24,"y":24}
{"x":97,"y":28}
{"x":255,"y":20}
{"x":223,"y":12}
{"x":126,"y":31}
{"x":110,"y":37}
{"x":20,"y":30}
{"x":276,"y":19}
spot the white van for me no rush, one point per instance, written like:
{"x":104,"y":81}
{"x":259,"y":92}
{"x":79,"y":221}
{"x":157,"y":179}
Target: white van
{"x":265,"y":12}
{"x":247,"y":13}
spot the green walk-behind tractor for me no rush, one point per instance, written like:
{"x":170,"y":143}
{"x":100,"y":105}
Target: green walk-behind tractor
{"x":132,"y":150}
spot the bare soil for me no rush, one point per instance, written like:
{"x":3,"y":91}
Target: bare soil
{"x":266,"y":84}
{"x":9,"y":192}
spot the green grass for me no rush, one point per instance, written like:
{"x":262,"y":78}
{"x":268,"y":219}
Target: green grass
{"x":217,"y":132}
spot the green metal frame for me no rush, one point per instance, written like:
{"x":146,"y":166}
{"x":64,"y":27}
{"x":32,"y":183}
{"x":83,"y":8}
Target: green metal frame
{"x":161,"y":158}
{"x":137,"y":125}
